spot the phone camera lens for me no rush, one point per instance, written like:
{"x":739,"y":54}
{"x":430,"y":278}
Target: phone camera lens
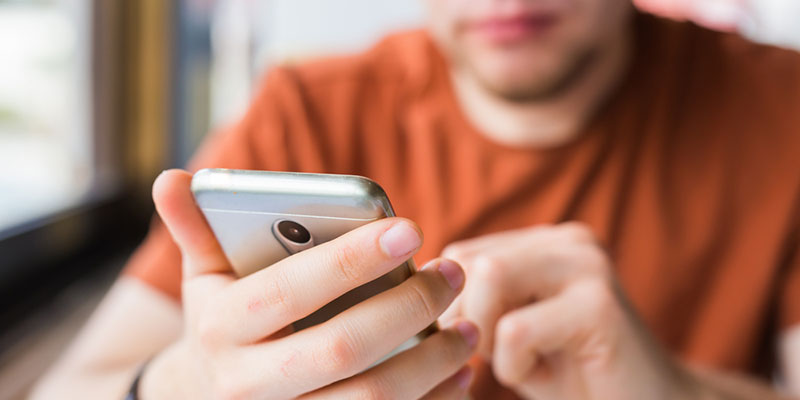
{"x":294,"y":232}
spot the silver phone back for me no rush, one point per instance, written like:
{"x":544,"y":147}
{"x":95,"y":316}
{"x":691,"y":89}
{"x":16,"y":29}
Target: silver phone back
{"x":242,"y":206}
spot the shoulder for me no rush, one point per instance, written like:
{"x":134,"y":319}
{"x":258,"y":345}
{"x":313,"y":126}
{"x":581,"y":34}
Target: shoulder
{"x":746,"y":94}
{"x":728,"y":108}
{"x":761,"y":68}
{"x":722,"y":59}
{"x":761,"y":86}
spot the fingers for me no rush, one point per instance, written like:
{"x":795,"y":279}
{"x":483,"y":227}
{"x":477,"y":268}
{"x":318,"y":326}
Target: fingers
{"x":469,"y":248}
{"x":432,"y":367}
{"x":485,"y":297}
{"x":484,"y":300}
{"x":465,"y":253}
{"x":539,"y":260}
{"x":512,"y":269}
{"x":560,"y":324}
{"x":175,"y":204}
{"x":298,"y":285}
{"x":353,"y":340}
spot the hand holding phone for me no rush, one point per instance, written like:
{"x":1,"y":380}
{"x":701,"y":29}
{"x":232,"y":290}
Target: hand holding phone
{"x":262,"y":217}
{"x":238,"y":342}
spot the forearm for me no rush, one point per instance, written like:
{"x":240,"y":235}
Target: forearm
{"x":84,"y":384}
{"x":132,"y":324}
{"x":715,"y":385}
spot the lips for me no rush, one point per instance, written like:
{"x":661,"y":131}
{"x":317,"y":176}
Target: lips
{"x":517,"y":28}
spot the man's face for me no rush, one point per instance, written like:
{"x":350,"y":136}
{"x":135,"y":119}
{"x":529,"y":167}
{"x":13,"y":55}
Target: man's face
{"x":526,"y":49}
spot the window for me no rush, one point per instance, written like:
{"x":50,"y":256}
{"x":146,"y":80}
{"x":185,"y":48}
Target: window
{"x":46,"y":143}
{"x":68,"y":160}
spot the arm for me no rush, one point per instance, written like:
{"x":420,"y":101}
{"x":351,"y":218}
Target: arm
{"x":133,"y":322}
{"x":234,"y":341}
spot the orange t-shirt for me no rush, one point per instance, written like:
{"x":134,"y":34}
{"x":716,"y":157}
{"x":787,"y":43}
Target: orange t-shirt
{"x":689,"y":174}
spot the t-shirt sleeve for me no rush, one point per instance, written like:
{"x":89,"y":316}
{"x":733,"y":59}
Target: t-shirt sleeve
{"x":266,"y":138}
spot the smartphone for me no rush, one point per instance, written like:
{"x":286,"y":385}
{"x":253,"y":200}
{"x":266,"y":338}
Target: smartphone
{"x":261,"y":217}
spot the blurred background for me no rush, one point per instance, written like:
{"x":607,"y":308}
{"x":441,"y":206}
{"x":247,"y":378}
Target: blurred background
{"x":98,"y":96}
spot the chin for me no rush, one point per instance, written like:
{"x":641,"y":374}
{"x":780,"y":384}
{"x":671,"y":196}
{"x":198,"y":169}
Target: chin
{"x":513,"y":78}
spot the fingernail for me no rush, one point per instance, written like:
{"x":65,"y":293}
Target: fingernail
{"x":400,"y":240}
{"x":469,"y":332}
{"x":452,"y":273}
{"x":463,"y":377}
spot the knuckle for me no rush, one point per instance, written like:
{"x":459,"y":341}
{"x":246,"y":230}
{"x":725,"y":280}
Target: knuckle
{"x":423,"y":300}
{"x":510,"y":331}
{"x":277,"y":296}
{"x":338,"y":357}
{"x":599,"y":299}
{"x":487,"y":269}
{"x":455,"y":251}
{"x":579,"y":258}
{"x":209,"y":334}
{"x":593,"y":259}
{"x":455,"y":350}
{"x":577,"y":231}
{"x":346,"y":263}
{"x":555,"y":255}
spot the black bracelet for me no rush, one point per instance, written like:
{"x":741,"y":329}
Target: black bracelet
{"x":133,"y":392}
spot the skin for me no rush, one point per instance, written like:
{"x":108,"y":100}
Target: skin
{"x":554,"y":323}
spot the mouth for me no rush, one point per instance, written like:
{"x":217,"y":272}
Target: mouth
{"x":508,"y":30}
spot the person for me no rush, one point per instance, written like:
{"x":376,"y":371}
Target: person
{"x":611,"y":204}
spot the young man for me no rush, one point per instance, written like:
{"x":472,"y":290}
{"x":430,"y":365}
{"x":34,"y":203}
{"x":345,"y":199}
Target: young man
{"x":622,"y":193}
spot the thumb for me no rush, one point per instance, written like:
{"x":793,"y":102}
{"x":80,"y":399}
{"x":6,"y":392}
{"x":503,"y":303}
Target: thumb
{"x":175,"y":204}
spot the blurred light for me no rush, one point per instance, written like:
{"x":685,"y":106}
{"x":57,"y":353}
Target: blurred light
{"x":46,"y":148}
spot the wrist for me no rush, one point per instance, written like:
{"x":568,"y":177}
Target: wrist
{"x":133,"y":391}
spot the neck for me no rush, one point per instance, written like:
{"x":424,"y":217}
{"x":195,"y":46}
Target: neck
{"x":544,"y":123}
